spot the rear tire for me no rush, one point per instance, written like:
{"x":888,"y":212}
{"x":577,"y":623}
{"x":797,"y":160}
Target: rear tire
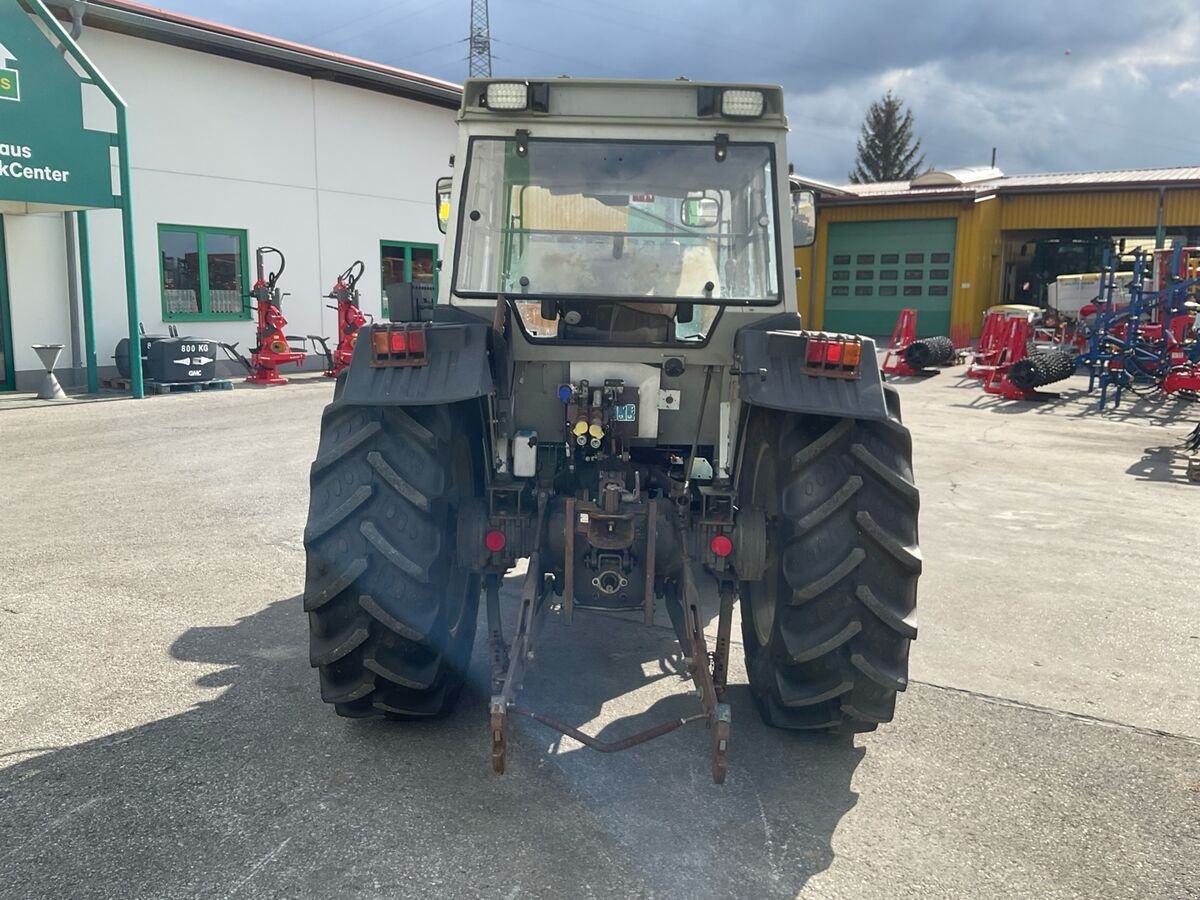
{"x":391,"y":617}
{"x":827,"y":631}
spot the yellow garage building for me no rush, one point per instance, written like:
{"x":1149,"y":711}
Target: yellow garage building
{"x":952,"y":243}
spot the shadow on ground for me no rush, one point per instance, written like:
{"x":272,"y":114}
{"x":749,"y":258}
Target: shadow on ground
{"x":1071,"y":399}
{"x":262,"y":792}
{"x":1168,"y":464}
{"x":30,"y":400}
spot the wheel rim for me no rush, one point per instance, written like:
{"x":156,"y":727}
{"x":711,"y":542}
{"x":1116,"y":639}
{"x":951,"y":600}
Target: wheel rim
{"x":456,"y":605}
{"x":459,"y":583}
{"x":763,"y":594}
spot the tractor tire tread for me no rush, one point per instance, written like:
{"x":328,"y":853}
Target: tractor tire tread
{"x":848,"y":565}
{"x":889,"y":477}
{"x":839,"y":499}
{"x":905,"y":626}
{"x":908,"y":557}
{"x":326,"y":651}
{"x":806,"y":592}
{"x":391,"y":620}
{"x":391,"y":553}
{"x":318,"y":594}
{"x":393,"y":479}
{"x":331,"y":692}
{"x":317,"y":527}
{"x":820,"y":643}
{"x":326,"y":459}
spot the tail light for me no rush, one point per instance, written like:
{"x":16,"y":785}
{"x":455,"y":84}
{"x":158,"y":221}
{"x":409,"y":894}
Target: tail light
{"x":398,"y":345}
{"x":833,"y":355}
{"x":495,"y":541}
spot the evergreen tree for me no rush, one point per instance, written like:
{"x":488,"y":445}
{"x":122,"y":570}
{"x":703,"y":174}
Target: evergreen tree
{"x":887,"y":150}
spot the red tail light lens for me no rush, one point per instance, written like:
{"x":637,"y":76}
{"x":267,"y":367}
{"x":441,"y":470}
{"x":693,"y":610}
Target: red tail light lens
{"x":835,"y":355}
{"x":408,"y":341}
{"x":398,"y":346}
{"x":495,"y":541}
{"x":721,"y":546}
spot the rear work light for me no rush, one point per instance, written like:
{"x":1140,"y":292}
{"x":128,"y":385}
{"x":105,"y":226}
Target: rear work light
{"x":833,"y":355}
{"x":507,"y":95}
{"x":402,"y":345}
{"x":741,"y":104}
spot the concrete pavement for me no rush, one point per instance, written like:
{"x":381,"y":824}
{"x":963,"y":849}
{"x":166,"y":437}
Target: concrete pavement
{"x":161,"y":734}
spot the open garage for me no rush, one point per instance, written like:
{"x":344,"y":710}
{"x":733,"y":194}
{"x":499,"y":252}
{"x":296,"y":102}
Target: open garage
{"x":952,"y":243}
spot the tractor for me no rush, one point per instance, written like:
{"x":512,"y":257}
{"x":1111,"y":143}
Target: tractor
{"x":613,"y":385}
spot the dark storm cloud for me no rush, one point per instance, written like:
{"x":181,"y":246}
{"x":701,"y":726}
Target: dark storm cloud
{"x":1055,"y":86}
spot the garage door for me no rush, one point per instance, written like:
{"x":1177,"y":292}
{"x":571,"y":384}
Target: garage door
{"x":875,"y":269}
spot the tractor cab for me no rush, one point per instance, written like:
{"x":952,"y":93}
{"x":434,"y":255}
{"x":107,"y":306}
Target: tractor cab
{"x":601,"y":226}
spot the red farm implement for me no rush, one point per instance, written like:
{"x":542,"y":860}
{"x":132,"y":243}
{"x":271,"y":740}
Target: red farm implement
{"x":1016,"y":373}
{"x":909,"y":355}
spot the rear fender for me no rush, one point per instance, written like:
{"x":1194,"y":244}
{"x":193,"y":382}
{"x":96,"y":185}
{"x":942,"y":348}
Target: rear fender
{"x":459,"y":368}
{"x":771,"y":354}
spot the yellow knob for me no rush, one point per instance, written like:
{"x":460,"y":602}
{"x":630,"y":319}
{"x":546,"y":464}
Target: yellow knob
{"x":596,"y":430}
{"x":581,"y":428}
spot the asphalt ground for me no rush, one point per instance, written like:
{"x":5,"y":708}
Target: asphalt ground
{"x":161,"y":733}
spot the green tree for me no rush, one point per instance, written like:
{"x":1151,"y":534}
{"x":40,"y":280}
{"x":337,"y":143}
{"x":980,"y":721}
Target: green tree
{"x":887,"y":150}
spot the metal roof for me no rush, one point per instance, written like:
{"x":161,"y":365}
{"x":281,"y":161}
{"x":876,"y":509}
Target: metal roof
{"x":949,"y":186}
{"x":956,"y":177}
{"x":153,"y":23}
{"x":1114,"y":176}
{"x":821,"y":187}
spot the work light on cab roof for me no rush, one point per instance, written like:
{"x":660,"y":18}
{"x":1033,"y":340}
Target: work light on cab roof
{"x":503,"y":95}
{"x":732,"y":103}
{"x":742,"y":104}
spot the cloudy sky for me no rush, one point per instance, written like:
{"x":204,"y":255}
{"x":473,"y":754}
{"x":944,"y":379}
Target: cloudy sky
{"x":1054,"y":85}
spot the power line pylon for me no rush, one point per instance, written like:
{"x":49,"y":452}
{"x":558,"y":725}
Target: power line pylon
{"x":480,"y":60}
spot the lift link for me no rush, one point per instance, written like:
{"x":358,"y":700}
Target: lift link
{"x":708,"y":671}
{"x":499,"y":650}
{"x":507,"y":681}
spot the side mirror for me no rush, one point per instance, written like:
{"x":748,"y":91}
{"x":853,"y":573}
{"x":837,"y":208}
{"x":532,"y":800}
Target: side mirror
{"x":442,"y":195}
{"x":804,"y":218}
{"x":700,"y":210}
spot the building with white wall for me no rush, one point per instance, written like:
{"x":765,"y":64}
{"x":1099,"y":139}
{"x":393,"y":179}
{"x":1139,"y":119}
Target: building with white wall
{"x":236,"y":140}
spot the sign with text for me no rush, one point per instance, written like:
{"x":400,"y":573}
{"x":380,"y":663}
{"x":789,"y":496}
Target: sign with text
{"x":46,"y":155}
{"x":10,"y":84}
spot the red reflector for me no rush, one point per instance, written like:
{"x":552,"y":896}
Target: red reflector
{"x":816,"y":352}
{"x":721,"y":546}
{"x":495,"y":541}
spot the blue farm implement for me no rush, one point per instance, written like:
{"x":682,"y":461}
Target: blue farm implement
{"x":1149,"y":345}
